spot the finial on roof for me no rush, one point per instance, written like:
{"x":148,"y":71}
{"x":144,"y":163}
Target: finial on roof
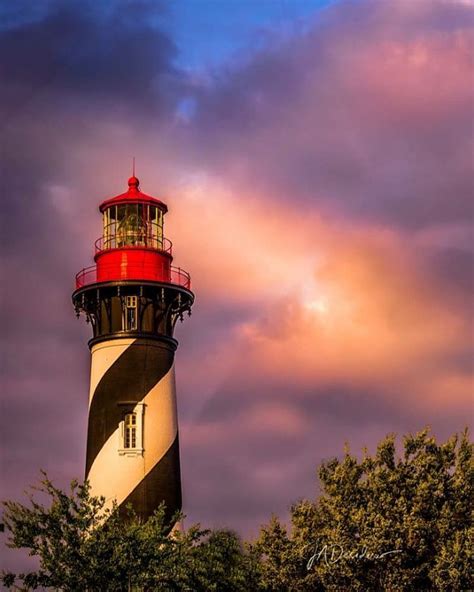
{"x":133,"y":181}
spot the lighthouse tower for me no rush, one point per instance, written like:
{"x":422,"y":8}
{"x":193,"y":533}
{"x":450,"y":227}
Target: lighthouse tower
{"x":133,"y":297}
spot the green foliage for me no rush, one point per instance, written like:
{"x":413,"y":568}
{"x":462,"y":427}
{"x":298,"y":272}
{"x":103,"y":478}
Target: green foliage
{"x":83,"y":546}
{"x":382,"y":522}
{"x":279,"y":562}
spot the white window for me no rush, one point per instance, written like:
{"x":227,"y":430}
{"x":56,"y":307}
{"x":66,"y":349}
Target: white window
{"x":130,"y":314}
{"x":131,"y":432}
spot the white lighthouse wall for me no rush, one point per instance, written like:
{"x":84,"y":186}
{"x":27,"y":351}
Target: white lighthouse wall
{"x":104,"y":355}
{"x":116,"y":475}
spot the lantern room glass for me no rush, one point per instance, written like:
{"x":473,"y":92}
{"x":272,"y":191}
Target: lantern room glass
{"x":133,"y":225}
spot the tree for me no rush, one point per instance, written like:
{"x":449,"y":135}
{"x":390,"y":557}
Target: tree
{"x":385,"y":522}
{"x":83,"y":546}
{"x":382,"y":523}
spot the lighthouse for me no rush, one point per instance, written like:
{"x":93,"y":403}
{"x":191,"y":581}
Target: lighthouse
{"x":132,"y":297}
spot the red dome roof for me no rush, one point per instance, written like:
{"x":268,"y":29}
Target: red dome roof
{"x":133,"y":195}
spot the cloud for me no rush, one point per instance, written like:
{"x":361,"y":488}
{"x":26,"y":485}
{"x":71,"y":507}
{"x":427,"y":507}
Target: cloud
{"x":343,"y":331}
{"x":84,"y":51}
{"x":319,"y":194}
{"x":367,"y":114}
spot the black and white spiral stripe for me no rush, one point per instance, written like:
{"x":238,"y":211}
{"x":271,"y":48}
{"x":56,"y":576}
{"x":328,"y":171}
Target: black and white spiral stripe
{"x":126,"y":372}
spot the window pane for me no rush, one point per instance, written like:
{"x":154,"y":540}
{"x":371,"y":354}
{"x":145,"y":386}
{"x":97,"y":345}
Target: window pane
{"x":131,"y":319}
{"x":130,"y":433}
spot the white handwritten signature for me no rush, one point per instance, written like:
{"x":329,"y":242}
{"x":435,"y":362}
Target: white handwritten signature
{"x":331,"y":554}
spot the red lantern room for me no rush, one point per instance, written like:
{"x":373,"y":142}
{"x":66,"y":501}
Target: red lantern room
{"x":132,"y":245}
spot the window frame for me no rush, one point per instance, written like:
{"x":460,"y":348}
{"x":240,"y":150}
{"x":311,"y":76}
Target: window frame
{"x":130,"y":304}
{"x":130,"y":431}
{"x":138,"y":411}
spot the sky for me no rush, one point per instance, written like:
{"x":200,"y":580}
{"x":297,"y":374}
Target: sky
{"x":316,"y":159}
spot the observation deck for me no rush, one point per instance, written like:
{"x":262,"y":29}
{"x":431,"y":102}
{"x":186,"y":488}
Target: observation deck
{"x":91,"y":275}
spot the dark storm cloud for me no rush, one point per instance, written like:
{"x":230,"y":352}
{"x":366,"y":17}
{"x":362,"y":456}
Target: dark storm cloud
{"x":82,"y":49}
{"x":69,"y":74}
